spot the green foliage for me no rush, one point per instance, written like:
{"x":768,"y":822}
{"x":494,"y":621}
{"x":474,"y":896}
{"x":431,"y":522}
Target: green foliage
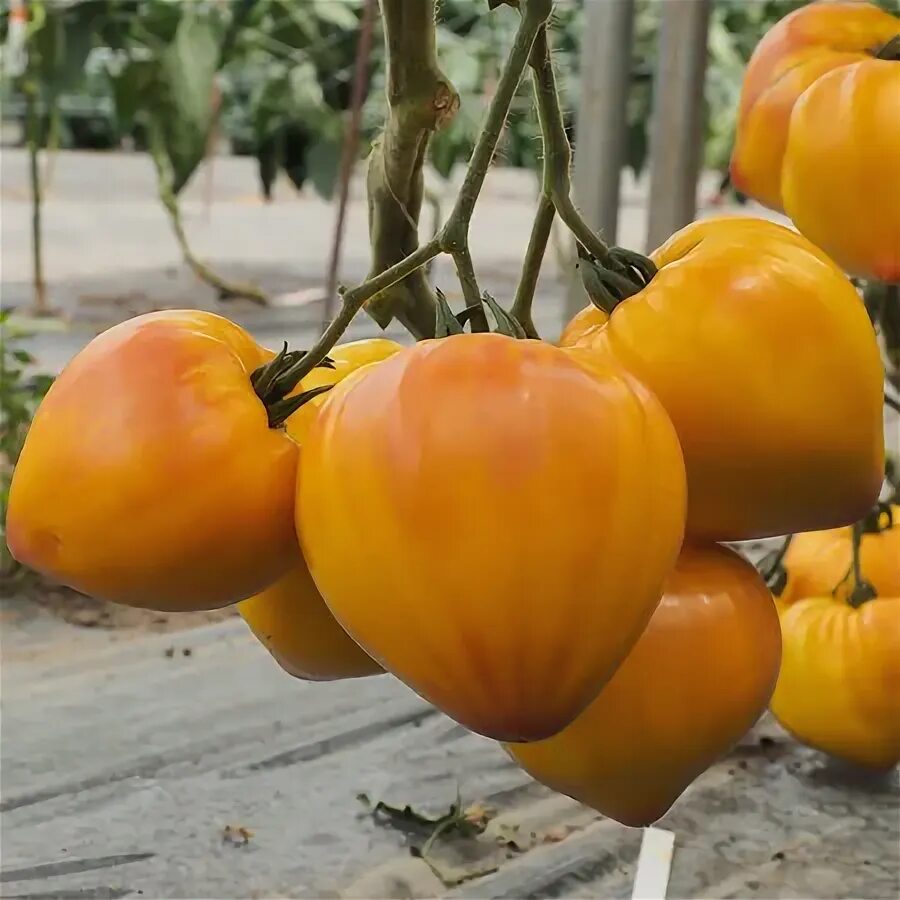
{"x":20,"y":394}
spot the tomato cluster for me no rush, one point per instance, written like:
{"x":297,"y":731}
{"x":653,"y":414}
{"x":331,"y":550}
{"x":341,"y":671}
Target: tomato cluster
{"x":527,"y":534}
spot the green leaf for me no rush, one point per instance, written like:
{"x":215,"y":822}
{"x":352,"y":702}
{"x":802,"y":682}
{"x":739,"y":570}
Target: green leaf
{"x":22,"y":356}
{"x":188,"y":69}
{"x":323,"y":160}
{"x":339,"y":13}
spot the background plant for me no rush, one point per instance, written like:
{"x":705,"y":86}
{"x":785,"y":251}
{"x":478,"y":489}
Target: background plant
{"x":21,"y":390}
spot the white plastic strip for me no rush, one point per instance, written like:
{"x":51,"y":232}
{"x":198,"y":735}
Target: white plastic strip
{"x":651,"y":881}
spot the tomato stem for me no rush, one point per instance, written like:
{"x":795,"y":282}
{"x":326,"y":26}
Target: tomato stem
{"x":420,"y":100}
{"x":620,"y":273}
{"x":862,"y":591}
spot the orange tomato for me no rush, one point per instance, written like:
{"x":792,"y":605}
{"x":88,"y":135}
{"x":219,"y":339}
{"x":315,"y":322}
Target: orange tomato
{"x":290,"y":618}
{"x":793,"y":55}
{"x":762,"y":354}
{"x":839,"y":180}
{"x":696,"y":681}
{"x":150,"y":476}
{"x":839,"y":686}
{"x":347,"y":359}
{"x":293,"y":623}
{"x":818,"y":562}
{"x":473,"y":510}
{"x":583,"y":326}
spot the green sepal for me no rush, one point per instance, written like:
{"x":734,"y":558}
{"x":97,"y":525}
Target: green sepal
{"x":445,"y":321}
{"x":506,"y":324}
{"x":283,"y":409}
{"x":469,"y":316}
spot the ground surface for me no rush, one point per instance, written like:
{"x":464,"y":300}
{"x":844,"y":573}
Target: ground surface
{"x":130,"y":768}
{"x":132,"y":761}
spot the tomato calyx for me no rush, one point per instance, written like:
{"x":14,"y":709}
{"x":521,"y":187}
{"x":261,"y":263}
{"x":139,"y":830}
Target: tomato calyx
{"x":891,"y":50}
{"x":273,"y":382}
{"x":448,"y":323}
{"x":622,"y":274}
{"x":879,"y":519}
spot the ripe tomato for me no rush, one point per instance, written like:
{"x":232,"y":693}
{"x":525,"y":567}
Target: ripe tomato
{"x":583,"y":326}
{"x":817,"y":563}
{"x":290,"y":618}
{"x":698,"y":678}
{"x":839,"y":686}
{"x":793,"y":55}
{"x":347,"y":359}
{"x":762,"y":354}
{"x":473,"y":510}
{"x":150,"y":476}
{"x":839,"y":180}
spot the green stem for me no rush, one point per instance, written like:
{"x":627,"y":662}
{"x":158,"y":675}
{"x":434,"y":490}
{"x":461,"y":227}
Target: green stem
{"x":862,"y":591}
{"x":531,"y":267}
{"x":402,"y":19}
{"x":455,"y":234}
{"x":170,"y":203}
{"x":353,"y":301}
{"x":557,"y":151}
{"x":465,"y":271}
{"x":33,"y":138}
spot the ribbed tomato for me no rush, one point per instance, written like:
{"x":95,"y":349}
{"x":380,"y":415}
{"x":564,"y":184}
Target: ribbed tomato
{"x":474,"y":511}
{"x":839,"y":686}
{"x":150,"y":475}
{"x":793,"y":55}
{"x":818,"y":563}
{"x":290,"y":618}
{"x":761,"y":352}
{"x":698,"y":678}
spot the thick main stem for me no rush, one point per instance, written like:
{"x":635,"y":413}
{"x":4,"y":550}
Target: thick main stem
{"x":382,"y":293}
{"x":420,"y":100}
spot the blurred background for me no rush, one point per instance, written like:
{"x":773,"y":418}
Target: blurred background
{"x":157,"y":131}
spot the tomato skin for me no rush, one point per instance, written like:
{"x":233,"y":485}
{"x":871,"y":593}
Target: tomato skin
{"x":839,"y":179}
{"x":290,"y":618}
{"x":698,"y":678}
{"x":818,"y":562}
{"x":793,"y":55}
{"x":347,"y":359}
{"x":583,"y":326}
{"x":292,"y":622}
{"x":780,"y":435}
{"x":467,"y":505}
{"x":150,"y":477}
{"x":839,"y":686}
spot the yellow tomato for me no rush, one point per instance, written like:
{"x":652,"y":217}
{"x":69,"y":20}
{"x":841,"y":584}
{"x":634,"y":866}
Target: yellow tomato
{"x":583,"y":326}
{"x":839,"y":686}
{"x":696,"y":681}
{"x":841,"y":175}
{"x":290,"y":618}
{"x":762,"y":354}
{"x":474,"y":511}
{"x":150,"y":475}
{"x":347,"y":359}
{"x":817,"y":563}
{"x":293,"y":623}
{"x":793,"y":55}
